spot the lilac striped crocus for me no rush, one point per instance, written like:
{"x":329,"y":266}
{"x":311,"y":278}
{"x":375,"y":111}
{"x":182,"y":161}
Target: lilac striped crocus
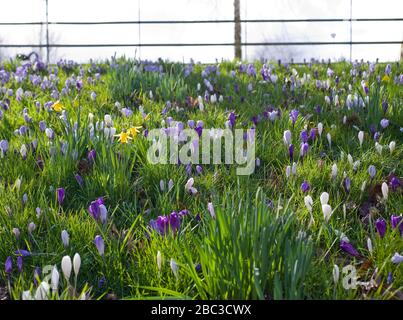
{"x":8,"y":266}
{"x":60,"y":193}
{"x":349,"y":248}
{"x":397,"y":221}
{"x":98,"y":210}
{"x":384,"y":123}
{"x":294,"y":116}
{"x":92,"y":155}
{"x":99,"y":243}
{"x":380,"y":226}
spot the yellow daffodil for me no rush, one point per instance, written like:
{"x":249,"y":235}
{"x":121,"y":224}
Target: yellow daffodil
{"x":133,"y":131}
{"x":123,"y":137}
{"x":57,"y":106}
{"x":385,"y":78}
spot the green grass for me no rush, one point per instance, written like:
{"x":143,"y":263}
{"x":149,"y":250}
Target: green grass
{"x":263,"y":242}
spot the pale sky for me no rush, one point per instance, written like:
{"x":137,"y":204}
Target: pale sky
{"x":107,"y":10}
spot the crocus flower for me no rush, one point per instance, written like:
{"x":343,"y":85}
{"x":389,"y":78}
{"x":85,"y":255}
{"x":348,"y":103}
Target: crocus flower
{"x":54,"y":279}
{"x":334,"y":171}
{"x":99,"y":243}
{"x":396,"y":221}
{"x":31,"y":227}
{"x":294,"y":116}
{"x":349,"y":248}
{"x":66,"y":267}
{"x":92,"y":154}
{"x":369,"y":245}
{"x":291,"y":151}
{"x":8,"y":266}
{"x":308,"y":203}
{"x":336,"y":274}
{"x":60,"y":192}
{"x":384,"y":123}
{"x":380,"y":225}
{"x":76,"y":264}
{"x":320,"y":128}
{"x":397,"y":258}
{"x":385,"y":190}
{"x":65,"y":238}
{"x":232,"y":119}
{"x":174,"y":267}
{"x":79,"y":180}
{"x":22,"y":253}
{"x":189,"y":187}
{"x":98,"y":210}
{"x":392,"y":146}
{"x":287,"y":137}
{"x":361,"y":137}
{"x":159,"y":260}
{"x":327,"y":211}
{"x":304,"y":136}
{"x":347,"y":184}
{"x":305,"y":186}
{"x":372,"y":171}
{"x":19,"y":263}
{"x":210,"y":208}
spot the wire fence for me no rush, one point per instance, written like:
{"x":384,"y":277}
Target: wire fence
{"x":49,"y":45}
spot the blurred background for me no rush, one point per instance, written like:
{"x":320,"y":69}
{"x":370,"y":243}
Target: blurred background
{"x":223,"y":35}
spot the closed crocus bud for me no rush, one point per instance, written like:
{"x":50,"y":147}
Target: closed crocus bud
{"x":397,"y":221}
{"x":397,"y":258}
{"x":294,"y":169}
{"x":361,"y":137}
{"x":174,"y":267}
{"x":385,"y":190}
{"x":336,"y":274}
{"x":103,"y":213}
{"x":327,"y":211}
{"x":372,"y":171}
{"x":170,"y":184}
{"x":65,"y":238}
{"x":329,"y":139}
{"x":23,"y":151}
{"x":54,"y":279}
{"x":16,"y":232}
{"x":60,"y":194}
{"x":159,"y":260}
{"x":43,"y":291}
{"x":211,"y":210}
{"x":369,"y":245}
{"x":66,"y":267}
{"x":76,"y":264}
{"x":308,"y":203}
{"x":162,"y":185}
{"x":348,"y":248}
{"x":108,"y":120}
{"x":287,"y":137}
{"x":288,"y":171}
{"x":49,"y":133}
{"x":320,"y":128}
{"x":392,"y":146}
{"x":99,"y":243}
{"x":380,"y":225}
{"x":334,"y":171}
{"x":8,"y":266}
{"x":31,"y":227}
{"x":378,"y":147}
{"x":324,"y":198}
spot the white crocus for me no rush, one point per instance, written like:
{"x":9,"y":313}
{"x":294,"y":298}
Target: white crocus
{"x":378,"y":147}
{"x":336,"y":274}
{"x":287,"y":137}
{"x":324,"y":198}
{"x":174,"y":268}
{"x":65,"y":238}
{"x":294,"y":169}
{"x":43,"y":291}
{"x":76,"y":264}
{"x":108,"y":120}
{"x":288,"y":171}
{"x":369,"y":245}
{"x":55,"y":279}
{"x":66,"y":267}
{"x":385,"y":190}
{"x":320,"y":128}
{"x":308,"y":203}
{"x":189,"y":186}
{"x":329,"y":139}
{"x":361,"y":137}
{"x":159,"y":260}
{"x":392,"y":146}
{"x":327,"y":211}
{"x":334,"y":171}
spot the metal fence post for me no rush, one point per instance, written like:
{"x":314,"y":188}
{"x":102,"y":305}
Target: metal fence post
{"x":47,"y":33}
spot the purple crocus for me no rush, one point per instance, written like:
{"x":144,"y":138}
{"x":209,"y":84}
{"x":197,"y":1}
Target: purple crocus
{"x":347,"y":184}
{"x":305,"y":186}
{"x":37,"y":275}
{"x":19,"y":263}
{"x":22,"y":253}
{"x":92,"y":154}
{"x":294,"y":116}
{"x":385,"y":106}
{"x":349,"y":248}
{"x":304,"y":136}
{"x":384,"y":123}
{"x":380,"y":225}
{"x":79,"y":180}
{"x":99,"y":243}
{"x":291,"y":151}
{"x":98,"y":210}
{"x":61,"y":193}
{"x":8,"y":266}
{"x":304,"y":149}
{"x":396,"y":221}
{"x":232,"y":119}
